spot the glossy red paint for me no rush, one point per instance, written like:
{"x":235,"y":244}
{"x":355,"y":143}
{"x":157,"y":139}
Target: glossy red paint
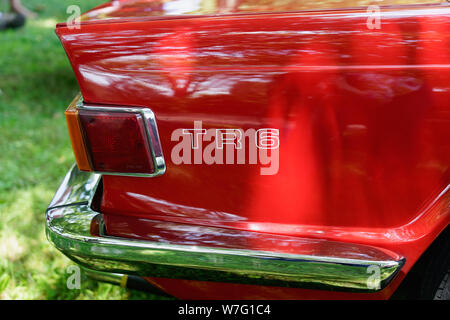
{"x":132,"y":10}
{"x":363,"y":114}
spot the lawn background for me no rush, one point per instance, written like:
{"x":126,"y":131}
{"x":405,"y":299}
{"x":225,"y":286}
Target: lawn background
{"x":36,"y":85}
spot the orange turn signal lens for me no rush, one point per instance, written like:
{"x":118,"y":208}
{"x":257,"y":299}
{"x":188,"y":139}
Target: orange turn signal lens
{"x":75,"y":133}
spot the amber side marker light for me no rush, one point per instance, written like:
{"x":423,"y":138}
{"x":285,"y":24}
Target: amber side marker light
{"x":115,"y":140}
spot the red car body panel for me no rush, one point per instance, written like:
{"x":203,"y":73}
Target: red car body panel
{"x":363,"y":116}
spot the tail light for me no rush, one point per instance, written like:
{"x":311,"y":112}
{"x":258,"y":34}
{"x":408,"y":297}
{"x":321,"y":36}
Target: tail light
{"x":115,"y":140}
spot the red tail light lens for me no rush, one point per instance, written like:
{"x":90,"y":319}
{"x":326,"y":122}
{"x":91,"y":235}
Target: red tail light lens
{"x":116,"y":142}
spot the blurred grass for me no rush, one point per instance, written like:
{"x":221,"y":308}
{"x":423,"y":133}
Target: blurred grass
{"x":36,"y":84}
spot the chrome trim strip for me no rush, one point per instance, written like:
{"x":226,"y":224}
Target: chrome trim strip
{"x":151,"y":130}
{"x":114,"y":278}
{"x":69,"y":220}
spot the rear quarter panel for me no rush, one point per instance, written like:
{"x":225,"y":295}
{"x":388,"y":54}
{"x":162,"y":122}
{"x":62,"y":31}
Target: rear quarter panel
{"x":363,"y":116}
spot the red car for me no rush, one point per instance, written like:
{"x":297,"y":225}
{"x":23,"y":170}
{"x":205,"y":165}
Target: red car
{"x":256,"y":149}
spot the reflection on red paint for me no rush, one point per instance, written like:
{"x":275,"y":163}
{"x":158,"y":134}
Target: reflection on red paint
{"x":363,"y":118}
{"x":175,"y":55}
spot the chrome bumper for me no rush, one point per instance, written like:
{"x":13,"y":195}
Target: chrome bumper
{"x":343,"y":267}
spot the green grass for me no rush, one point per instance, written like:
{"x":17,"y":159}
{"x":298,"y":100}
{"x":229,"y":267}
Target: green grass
{"x":36,"y":85}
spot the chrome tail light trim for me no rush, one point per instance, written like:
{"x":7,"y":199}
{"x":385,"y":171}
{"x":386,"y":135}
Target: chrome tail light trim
{"x":151,"y":129}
